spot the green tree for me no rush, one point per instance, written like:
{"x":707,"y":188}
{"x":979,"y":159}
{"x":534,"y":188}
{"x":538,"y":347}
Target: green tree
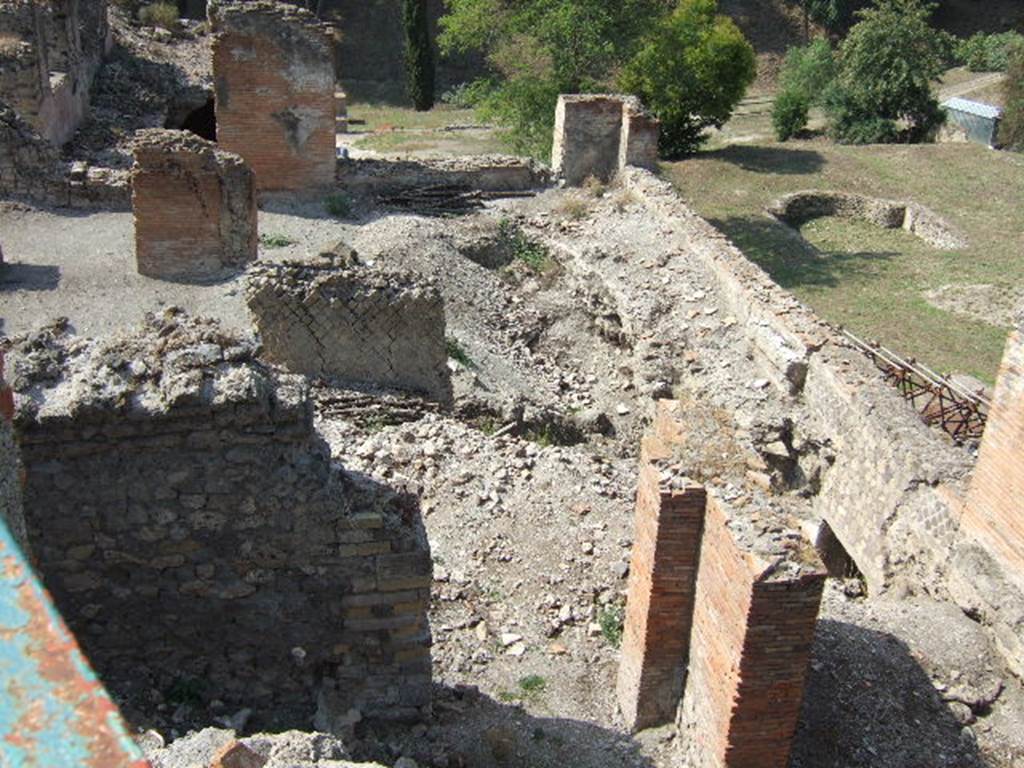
{"x":536,"y":49}
{"x":419,"y":54}
{"x":886,"y":65}
{"x":691,"y":72}
{"x":807,"y":74}
{"x":1011,"y":130}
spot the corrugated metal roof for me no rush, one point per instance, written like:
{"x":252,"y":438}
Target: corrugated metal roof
{"x":973,"y":108}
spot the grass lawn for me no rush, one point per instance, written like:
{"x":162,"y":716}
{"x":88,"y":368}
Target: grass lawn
{"x":390,"y":129}
{"x":870,"y":280}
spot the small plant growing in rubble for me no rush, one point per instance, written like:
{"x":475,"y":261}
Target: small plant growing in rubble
{"x":525,"y":249}
{"x":457,"y":353}
{"x":610,"y":619}
{"x":575,"y":208}
{"x":338,"y":205}
{"x":163,"y":15}
{"x":532,"y":684}
{"x":276,"y":240}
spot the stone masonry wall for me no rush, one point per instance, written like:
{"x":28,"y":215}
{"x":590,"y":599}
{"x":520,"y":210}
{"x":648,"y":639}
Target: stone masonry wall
{"x":188,"y":521}
{"x":994,"y":512}
{"x":894,"y":493}
{"x":273,"y":67}
{"x":753,"y":628}
{"x":50,"y":54}
{"x":10,"y":470}
{"x":352,"y":324}
{"x":598,"y":135}
{"x":195,"y":208}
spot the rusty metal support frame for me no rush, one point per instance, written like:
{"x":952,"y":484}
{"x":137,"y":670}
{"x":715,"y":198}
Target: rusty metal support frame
{"x":960,"y":413}
{"x":54,"y":713}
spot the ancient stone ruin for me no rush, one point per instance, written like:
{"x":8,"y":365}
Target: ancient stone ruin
{"x":338,"y":319}
{"x":190,"y":525}
{"x":800,"y":207}
{"x":48,"y":58}
{"x":598,"y":135}
{"x":723,"y":600}
{"x":273,"y":68}
{"x":194,"y":206}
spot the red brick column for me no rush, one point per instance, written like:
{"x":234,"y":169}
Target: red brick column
{"x":273,"y":67}
{"x":753,"y":628}
{"x":995,"y":504}
{"x":659,"y":607}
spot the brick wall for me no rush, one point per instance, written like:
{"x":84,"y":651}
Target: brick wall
{"x":273,"y":68}
{"x":352,"y":324}
{"x":751,"y":644}
{"x":190,"y":524}
{"x":995,"y":505}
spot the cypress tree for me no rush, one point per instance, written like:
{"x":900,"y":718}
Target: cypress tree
{"x":419,"y":54}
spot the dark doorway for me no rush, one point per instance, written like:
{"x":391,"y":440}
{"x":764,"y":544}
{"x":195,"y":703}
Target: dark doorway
{"x":201,"y":121}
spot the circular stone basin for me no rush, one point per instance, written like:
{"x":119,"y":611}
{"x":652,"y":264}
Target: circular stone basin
{"x":800,"y":207}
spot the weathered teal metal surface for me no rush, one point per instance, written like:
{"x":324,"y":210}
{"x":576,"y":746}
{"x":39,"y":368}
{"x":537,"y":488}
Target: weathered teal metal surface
{"x":54,"y":713}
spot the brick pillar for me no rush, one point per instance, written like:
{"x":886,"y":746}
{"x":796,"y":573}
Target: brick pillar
{"x":194,"y":206}
{"x":994,"y":504}
{"x":659,"y":608}
{"x":753,"y":628}
{"x":273,"y":68}
{"x":588,"y":129}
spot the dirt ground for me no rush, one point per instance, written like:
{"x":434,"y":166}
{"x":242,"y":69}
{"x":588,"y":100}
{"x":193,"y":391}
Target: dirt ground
{"x":531,"y":529}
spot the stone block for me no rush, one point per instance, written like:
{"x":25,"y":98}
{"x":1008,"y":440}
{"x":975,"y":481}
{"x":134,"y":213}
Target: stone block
{"x":195,"y":208}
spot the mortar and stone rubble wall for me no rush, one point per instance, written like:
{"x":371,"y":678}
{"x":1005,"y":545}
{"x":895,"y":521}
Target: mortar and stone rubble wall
{"x":597,"y":135}
{"x":187,"y":519}
{"x":273,"y":68}
{"x":195,"y":208}
{"x":352,"y":324}
{"x":894,"y":493}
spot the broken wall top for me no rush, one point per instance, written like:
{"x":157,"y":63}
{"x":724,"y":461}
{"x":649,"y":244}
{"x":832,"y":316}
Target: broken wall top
{"x":691,"y":445}
{"x":172,"y":364}
{"x":154,"y":146}
{"x":332,"y":276}
{"x":296,"y":30}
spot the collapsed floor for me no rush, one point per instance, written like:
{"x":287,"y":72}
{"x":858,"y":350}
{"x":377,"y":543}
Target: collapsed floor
{"x":527,"y":486}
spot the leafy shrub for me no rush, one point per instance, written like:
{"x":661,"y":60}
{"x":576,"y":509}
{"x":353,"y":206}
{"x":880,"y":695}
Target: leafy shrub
{"x":882,"y":92}
{"x":163,"y":15}
{"x":1011,"y":130}
{"x":789,"y":114}
{"x":610,"y":619}
{"x":524,"y":248}
{"x":338,"y":205}
{"x":691,"y":72}
{"x":988,"y":53}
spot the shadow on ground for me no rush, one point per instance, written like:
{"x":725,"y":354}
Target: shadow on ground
{"x":868,"y":703}
{"x":779,"y":160}
{"x":473,"y":730}
{"x":791,"y":261}
{"x":29,"y":277}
